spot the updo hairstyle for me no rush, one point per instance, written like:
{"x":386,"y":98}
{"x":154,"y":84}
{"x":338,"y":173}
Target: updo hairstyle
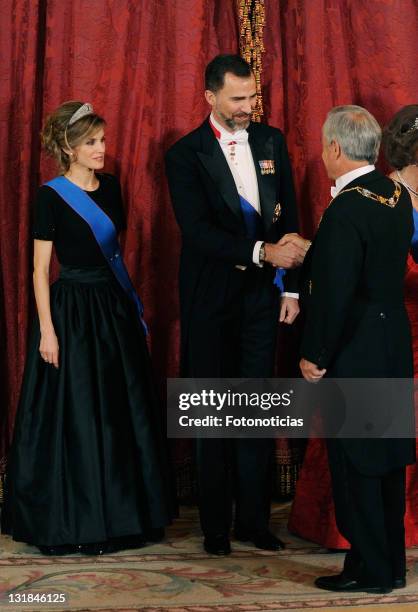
{"x":400,"y":138}
{"x":57,"y":135}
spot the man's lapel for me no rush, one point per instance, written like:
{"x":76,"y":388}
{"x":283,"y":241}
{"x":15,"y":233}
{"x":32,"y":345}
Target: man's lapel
{"x":213,"y":159}
{"x":262,"y":151}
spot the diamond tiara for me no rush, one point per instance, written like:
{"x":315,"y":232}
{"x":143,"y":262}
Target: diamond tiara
{"x":83,"y":111}
{"x":413,"y":127}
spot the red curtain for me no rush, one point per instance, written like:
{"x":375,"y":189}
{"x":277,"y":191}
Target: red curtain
{"x":323,"y":53}
{"x":141,"y":64}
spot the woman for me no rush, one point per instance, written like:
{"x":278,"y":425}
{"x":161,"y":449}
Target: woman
{"x":84,"y":473}
{"x":400,"y":140}
{"x":312,"y":515}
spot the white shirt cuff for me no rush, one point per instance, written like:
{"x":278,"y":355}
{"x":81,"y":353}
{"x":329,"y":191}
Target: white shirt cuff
{"x":256,"y":254}
{"x":290,"y":294}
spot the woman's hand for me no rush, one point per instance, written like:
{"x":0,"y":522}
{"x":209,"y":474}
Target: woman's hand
{"x":49,"y":348}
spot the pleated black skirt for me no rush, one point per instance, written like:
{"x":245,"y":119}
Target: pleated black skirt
{"x":86,"y":463}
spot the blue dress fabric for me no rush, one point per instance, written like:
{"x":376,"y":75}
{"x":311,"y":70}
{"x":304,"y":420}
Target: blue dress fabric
{"x":414,"y":245}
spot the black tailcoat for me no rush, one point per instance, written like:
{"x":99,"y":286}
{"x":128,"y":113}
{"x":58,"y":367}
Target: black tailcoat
{"x":229,"y":315}
{"x":357,"y":327}
{"x":214,"y":236}
{"x":356,"y":322}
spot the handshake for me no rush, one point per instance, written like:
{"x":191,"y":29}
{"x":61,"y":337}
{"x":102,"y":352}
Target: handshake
{"x":288,"y":253}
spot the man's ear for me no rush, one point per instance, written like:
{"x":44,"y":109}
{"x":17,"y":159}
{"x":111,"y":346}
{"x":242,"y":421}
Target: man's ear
{"x":336,"y":149}
{"x":210,"y":97}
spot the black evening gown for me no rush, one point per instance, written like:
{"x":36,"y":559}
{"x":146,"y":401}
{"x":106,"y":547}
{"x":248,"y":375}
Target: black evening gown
{"x":85,"y":464}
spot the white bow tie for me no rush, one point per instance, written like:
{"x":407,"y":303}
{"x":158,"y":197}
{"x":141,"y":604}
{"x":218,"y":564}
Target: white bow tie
{"x":239,"y":137}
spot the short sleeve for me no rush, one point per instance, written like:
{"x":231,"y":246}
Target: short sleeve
{"x":43,"y":215}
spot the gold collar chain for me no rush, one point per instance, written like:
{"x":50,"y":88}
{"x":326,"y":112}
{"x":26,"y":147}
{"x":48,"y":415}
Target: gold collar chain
{"x":391,"y":202}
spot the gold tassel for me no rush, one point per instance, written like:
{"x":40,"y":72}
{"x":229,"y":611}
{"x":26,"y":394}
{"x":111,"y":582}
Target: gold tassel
{"x":251,"y":21}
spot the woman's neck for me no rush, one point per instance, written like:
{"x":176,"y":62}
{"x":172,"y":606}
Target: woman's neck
{"x":82,"y":177}
{"x":408,"y":176}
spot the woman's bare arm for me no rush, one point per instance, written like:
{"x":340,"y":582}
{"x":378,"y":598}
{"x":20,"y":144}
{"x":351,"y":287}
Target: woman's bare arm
{"x":48,"y":346}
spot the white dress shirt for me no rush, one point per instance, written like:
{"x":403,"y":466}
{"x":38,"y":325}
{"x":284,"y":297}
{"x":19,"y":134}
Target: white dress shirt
{"x":240,"y":160}
{"x":346,"y":178}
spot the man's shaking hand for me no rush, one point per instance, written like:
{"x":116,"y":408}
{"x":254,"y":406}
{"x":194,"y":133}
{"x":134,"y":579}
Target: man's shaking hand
{"x":288,"y":253}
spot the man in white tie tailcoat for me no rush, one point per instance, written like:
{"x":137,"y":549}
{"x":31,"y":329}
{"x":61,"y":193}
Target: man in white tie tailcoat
{"x":232,"y":191}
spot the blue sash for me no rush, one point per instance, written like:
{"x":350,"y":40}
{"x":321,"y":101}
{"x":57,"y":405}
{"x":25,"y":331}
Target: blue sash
{"x":252,"y":219}
{"x":414,"y":244}
{"x":104,"y":231}
{"x":278,"y":279}
{"x":255,"y":230}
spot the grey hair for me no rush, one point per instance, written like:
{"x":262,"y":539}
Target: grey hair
{"x":356,"y":131}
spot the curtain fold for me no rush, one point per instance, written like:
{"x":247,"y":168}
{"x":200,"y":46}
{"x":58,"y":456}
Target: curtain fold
{"x":20,"y":115}
{"x":322,"y":53}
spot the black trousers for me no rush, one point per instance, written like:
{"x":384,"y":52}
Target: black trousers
{"x":238,"y":340}
{"x":370,"y":515}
